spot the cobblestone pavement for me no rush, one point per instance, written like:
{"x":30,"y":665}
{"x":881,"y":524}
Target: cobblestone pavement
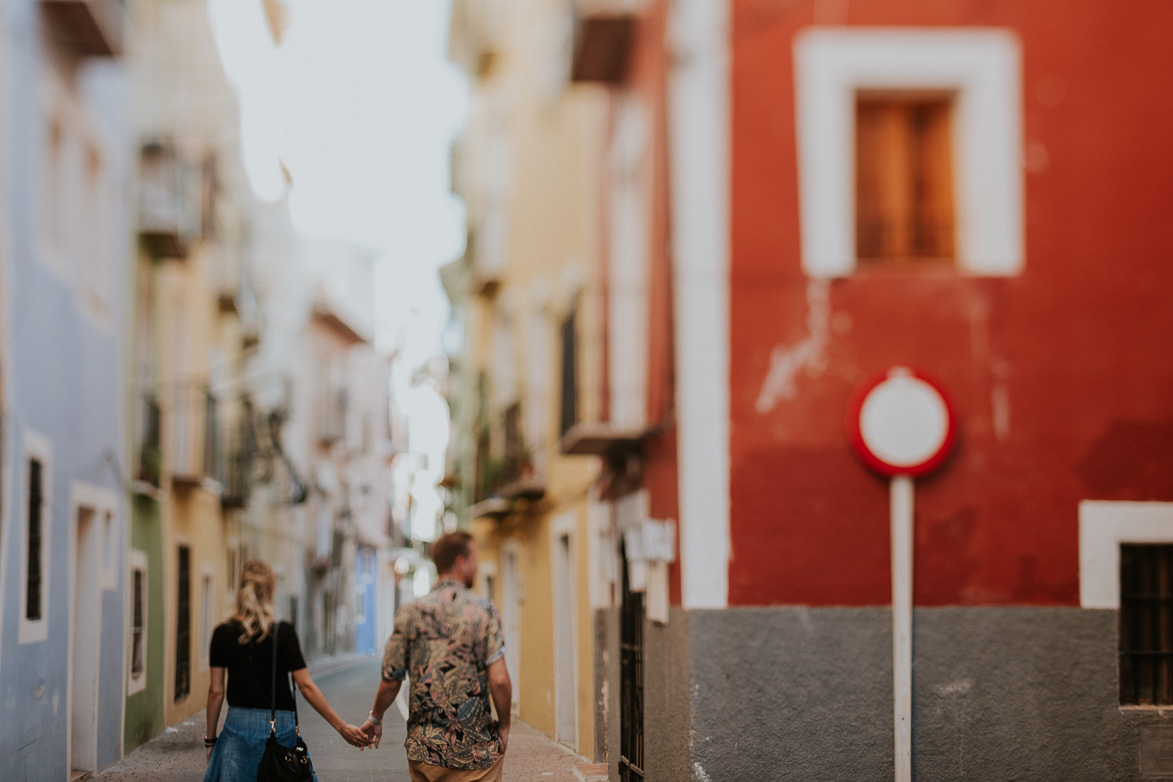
{"x":349,"y":684}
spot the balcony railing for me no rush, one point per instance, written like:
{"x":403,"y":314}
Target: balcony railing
{"x":169,"y":206}
{"x":234,"y":465}
{"x":148,"y":446}
{"x":194,"y":453}
{"x":89,"y":28}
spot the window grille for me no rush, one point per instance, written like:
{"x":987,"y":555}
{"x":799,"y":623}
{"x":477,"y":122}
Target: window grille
{"x":183,"y":627}
{"x":33,"y":607}
{"x":1146,"y":625}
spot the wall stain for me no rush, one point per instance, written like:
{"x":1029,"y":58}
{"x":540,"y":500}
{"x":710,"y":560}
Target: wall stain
{"x":1131,"y":460}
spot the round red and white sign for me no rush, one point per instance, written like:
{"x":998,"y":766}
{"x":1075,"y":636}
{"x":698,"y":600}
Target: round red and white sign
{"x":901,"y":423}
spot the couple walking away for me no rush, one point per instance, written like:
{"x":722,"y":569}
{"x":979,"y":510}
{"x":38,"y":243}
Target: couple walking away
{"x":449,"y":642}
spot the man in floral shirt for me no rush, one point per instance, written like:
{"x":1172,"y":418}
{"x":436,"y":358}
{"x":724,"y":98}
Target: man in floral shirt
{"x":451,"y":644}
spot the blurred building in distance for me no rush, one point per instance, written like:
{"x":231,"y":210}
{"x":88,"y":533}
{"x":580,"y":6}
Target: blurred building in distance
{"x":65,"y":270}
{"x":527,"y":167}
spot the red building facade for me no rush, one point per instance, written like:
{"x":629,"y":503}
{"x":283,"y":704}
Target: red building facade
{"x":975,"y":190}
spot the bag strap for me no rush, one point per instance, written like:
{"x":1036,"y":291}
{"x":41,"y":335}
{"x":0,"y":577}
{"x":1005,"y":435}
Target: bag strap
{"x":293,"y":692}
{"x":273,"y":685}
{"x":273,"y":689}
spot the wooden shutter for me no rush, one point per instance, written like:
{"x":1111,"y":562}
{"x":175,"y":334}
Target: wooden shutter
{"x":904,"y":179}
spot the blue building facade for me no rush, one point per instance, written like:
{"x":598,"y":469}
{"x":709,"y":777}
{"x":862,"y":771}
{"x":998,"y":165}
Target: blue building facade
{"x":63,"y":510}
{"x":366,"y":626}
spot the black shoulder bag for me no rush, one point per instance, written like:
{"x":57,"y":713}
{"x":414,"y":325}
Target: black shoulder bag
{"x":279,"y":763}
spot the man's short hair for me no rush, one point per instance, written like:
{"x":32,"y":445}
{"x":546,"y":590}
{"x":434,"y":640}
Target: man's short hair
{"x":447,"y":548}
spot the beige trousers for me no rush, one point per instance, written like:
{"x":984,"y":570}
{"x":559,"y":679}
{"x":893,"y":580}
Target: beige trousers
{"x":426,"y":772}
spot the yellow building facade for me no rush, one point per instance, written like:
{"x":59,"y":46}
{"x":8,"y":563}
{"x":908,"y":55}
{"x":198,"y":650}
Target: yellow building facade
{"x":526,"y":168}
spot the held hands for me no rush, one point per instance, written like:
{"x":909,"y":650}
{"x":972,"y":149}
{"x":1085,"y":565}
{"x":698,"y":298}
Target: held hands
{"x":355,"y":736}
{"x":373,"y":733}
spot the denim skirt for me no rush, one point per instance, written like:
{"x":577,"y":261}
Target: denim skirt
{"x":241,"y":743}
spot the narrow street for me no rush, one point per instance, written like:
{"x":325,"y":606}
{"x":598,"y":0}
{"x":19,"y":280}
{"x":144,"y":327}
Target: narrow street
{"x":178,"y":755}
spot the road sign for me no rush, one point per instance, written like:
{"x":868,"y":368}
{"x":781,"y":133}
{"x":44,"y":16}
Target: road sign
{"x":901,"y":424}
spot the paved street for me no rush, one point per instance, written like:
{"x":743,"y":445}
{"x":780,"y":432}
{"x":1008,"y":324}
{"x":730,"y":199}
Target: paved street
{"x":349,"y":685}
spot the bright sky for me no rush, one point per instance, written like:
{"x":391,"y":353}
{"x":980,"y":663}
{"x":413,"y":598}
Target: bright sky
{"x":360,"y":105}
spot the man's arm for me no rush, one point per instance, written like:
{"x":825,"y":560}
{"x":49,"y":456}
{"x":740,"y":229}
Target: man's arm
{"x":383,"y":699}
{"x":502,"y":691}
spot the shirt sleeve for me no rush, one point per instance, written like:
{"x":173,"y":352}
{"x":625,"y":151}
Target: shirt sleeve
{"x":289,"y":654}
{"x":494,"y":637}
{"x":220,"y":647}
{"x":395,"y":655}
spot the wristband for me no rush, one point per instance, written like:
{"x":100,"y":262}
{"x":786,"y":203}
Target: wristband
{"x":210,"y":741}
{"x":371,"y":718}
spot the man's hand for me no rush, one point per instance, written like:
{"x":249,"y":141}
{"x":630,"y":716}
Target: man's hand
{"x":354,"y":736}
{"x":503,"y":735}
{"x":372,"y":732}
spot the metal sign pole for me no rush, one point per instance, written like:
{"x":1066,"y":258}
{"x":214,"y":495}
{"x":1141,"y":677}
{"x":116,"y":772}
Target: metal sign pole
{"x":901,"y":499}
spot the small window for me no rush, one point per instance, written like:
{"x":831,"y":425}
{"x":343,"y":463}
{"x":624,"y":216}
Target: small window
{"x":183,"y":627}
{"x":568,"y":412}
{"x":35,"y":577}
{"x":138,"y":630}
{"x":904,"y":178}
{"x":1146,"y":625}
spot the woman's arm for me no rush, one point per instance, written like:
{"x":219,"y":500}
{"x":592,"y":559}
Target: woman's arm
{"x":316,"y":699}
{"x":215,"y":701}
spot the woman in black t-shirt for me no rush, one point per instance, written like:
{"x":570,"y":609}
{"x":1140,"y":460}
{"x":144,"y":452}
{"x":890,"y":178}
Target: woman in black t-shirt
{"x":243,"y":646}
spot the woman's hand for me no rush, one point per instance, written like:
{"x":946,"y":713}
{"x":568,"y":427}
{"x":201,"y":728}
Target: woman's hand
{"x":354,"y":736}
{"x":208,"y":752}
{"x":373,"y":733}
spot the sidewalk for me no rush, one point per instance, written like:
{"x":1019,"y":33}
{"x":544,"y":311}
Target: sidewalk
{"x":349,"y":684}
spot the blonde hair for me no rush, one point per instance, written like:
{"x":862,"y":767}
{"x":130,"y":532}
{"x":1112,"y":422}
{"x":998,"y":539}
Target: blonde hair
{"x":254,"y":600}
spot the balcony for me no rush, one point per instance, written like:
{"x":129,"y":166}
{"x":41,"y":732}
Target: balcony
{"x":148,"y":470}
{"x":169,"y":211}
{"x":603,"y":34}
{"x":88,"y":28}
{"x":234,"y":466}
{"x":599,"y":439}
{"x":193,"y":425}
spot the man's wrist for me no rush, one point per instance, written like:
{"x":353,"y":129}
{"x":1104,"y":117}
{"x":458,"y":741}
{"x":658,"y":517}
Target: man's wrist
{"x":371,"y":718}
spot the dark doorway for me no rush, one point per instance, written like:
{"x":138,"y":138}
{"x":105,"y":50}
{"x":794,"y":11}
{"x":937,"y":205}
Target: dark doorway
{"x":631,"y":680}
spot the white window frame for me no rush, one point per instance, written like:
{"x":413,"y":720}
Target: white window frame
{"x":1103,"y":527}
{"x":36,"y":446}
{"x":981,"y":68}
{"x":134,"y":684}
{"x":103,"y":503}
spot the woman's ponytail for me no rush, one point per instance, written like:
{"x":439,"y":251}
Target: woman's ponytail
{"x":255,"y":600}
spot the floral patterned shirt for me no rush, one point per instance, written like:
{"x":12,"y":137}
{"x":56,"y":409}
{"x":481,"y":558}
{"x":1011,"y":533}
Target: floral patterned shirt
{"x":445,"y":642}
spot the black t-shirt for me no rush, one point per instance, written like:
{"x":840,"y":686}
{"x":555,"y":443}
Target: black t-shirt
{"x":250,"y":665}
